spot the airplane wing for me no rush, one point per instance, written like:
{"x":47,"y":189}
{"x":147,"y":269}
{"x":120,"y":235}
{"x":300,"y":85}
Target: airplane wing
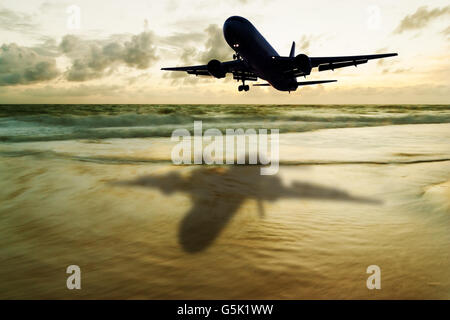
{"x":330,"y":63}
{"x":197,"y":70}
{"x":237,"y":67}
{"x":290,"y":66}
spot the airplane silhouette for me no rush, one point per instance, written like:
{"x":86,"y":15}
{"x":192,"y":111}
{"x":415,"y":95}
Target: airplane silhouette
{"x":255,"y":58}
{"x":218,"y":192}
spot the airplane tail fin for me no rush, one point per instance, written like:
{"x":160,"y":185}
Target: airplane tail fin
{"x":292,"y":53}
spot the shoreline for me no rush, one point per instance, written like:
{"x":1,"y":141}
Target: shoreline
{"x":308,"y":232}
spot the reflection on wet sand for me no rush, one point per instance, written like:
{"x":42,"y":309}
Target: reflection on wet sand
{"x":142,"y":228}
{"x":218,"y":192}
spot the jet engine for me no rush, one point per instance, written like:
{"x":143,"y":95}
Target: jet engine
{"x":303,"y":63}
{"x":216,"y":69}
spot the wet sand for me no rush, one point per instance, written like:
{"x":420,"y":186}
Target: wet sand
{"x":140,"y":227}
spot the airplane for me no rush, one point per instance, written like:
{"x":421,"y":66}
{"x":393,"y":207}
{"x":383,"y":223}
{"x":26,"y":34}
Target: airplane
{"x":255,"y":58}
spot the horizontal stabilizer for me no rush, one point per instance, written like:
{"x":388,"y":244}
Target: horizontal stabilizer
{"x":301,"y":83}
{"x":307,"y":83}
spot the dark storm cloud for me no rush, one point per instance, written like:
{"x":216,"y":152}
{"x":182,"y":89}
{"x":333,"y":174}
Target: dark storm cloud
{"x":21,"y":65}
{"x":16,"y":21}
{"x":95,"y":59}
{"x":421,"y":18}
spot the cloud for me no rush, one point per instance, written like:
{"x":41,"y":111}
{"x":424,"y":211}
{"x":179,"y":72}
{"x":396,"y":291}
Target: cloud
{"x":74,"y":91}
{"x":198,"y":47}
{"x":215,"y":46}
{"x":70,"y":44}
{"x":308,"y":42}
{"x":90,"y":59}
{"x":396,"y":71}
{"x":139,"y":78}
{"x":446,"y":32}
{"x":21,"y":65}
{"x":382,"y":62}
{"x":139,"y":52}
{"x":171,"y":6}
{"x":182,"y":78}
{"x":304,"y":43}
{"x":16,"y":21}
{"x":420,"y":18}
{"x":182,"y":38}
{"x":48,"y":47}
{"x":189,"y":55}
{"x":95,"y":59}
{"x":58,"y":6}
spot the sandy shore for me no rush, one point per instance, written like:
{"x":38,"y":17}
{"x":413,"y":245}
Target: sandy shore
{"x":140,"y":227}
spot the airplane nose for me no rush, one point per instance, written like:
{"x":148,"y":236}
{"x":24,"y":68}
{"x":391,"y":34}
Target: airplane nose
{"x":229,"y":31}
{"x":233,"y":28}
{"x":232,"y":22}
{"x":228,"y":26}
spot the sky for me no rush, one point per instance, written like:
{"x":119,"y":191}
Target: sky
{"x":112,"y":51}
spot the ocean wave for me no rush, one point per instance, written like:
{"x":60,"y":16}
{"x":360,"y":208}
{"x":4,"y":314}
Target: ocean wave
{"x":158,"y":121}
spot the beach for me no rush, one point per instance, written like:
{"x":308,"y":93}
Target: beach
{"x":94,"y":186}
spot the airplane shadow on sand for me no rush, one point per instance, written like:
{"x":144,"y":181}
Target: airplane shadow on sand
{"x":218,"y":192}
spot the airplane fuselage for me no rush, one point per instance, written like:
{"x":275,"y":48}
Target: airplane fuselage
{"x":256,"y":52}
